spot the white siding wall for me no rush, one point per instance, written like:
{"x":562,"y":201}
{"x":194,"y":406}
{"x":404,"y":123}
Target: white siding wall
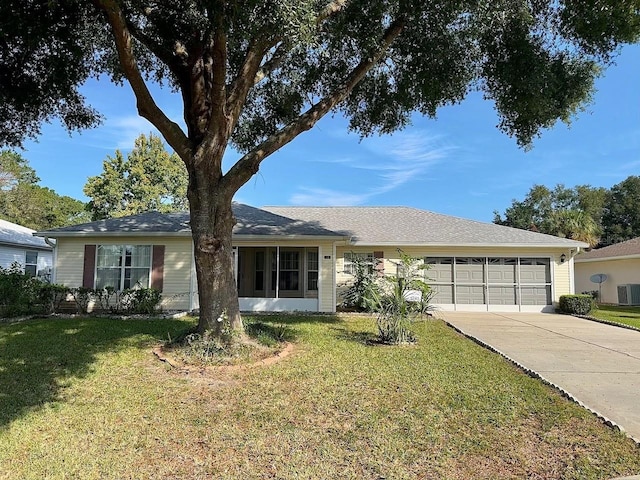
{"x":560,"y":272}
{"x":9,"y":255}
{"x":177,"y":264}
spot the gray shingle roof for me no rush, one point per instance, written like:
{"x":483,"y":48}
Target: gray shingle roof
{"x":623,"y":249}
{"x":250,"y":221}
{"x":410,"y":226}
{"x":19,"y":236}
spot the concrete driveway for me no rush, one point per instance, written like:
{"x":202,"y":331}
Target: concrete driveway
{"x":597,"y":364}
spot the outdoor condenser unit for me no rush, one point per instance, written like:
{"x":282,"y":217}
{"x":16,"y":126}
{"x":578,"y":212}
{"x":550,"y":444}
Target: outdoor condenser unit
{"x":629,"y":294}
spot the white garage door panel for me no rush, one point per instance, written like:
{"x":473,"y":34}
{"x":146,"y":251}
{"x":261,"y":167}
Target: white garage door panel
{"x":502,"y":296}
{"x":498,"y":283}
{"x":470,"y":270}
{"x":440,"y":273}
{"x":470,"y":294}
{"x":535,"y":295}
{"x":502,"y":270}
{"x":534,"y":270}
{"x":443,"y":294}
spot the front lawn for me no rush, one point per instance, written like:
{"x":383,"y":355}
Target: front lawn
{"x":85,"y":398}
{"x":612,"y":313}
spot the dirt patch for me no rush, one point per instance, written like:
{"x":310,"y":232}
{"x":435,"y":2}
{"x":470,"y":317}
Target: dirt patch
{"x":165,"y":356}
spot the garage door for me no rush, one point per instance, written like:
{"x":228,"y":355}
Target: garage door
{"x":490,"y":283}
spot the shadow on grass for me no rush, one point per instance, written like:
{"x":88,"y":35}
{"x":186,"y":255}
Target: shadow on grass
{"x":362,"y":337}
{"x":293,"y":318}
{"x":39,"y":357}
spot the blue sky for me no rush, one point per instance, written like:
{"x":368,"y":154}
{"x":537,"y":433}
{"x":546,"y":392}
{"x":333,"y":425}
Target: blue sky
{"x":458,"y":164}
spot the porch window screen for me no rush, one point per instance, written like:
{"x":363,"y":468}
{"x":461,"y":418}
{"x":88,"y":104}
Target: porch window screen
{"x":312,"y":270}
{"x":289,"y":270}
{"x":123,"y":266}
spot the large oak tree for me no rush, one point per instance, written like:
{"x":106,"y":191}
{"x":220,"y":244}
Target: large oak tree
{"x":257,"y":73}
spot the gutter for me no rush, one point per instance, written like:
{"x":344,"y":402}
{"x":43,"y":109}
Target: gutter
{"x":602,"y":259}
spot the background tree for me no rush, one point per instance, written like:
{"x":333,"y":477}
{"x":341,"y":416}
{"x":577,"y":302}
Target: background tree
{"x":256,"y":74}
{"x":564,"y":212}
{"x":149,"y":179}
{"x":576,"y":225}
{"x":15,"y":169}
{"x":26,"y":203}
{"x":621,"y":216}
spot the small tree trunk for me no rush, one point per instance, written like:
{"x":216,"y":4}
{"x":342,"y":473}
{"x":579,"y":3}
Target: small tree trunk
{"x":212,"y":223}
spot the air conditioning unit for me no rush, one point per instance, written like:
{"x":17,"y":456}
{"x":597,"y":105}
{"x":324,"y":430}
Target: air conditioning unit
{"x":629,"y":294}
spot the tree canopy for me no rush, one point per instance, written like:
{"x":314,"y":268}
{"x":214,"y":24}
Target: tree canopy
{"x":149,"y":179}
{"x":26,"y":203}
{"x":596,"y":215}
{"x":621,"y":217}
{"x":255,"y":74}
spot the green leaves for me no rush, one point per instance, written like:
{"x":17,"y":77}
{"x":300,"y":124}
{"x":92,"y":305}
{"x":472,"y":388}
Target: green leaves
{"x":26,"y":203}
{"x":149,"y":179}
{"x":621,"y":217}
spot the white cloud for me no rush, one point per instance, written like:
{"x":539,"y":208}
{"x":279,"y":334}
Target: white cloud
{"x":124,"y":130}
{"x":397,"y":160}
{"x":323,"y":197}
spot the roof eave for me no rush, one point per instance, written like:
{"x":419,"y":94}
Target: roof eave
{"x":466,"y":245}
{"x":111,"y":234}
{"x":602,"y":259}
{"x":185,"y":234}
{"x":26,"y":245}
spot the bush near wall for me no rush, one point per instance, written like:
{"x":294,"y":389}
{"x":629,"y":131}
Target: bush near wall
{"x":21,"y":294}
{"x":576,"y":304}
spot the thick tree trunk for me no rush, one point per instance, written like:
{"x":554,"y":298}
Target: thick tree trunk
{"x":212,"y":223}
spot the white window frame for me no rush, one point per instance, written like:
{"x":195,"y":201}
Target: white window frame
{"x":31,"y":264}
{"x":122,"y":267}
{"x":348,"y":261}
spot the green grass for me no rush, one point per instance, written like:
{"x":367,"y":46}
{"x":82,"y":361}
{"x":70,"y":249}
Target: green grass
{"x":85,"y":398}
{"x":627,"y":315}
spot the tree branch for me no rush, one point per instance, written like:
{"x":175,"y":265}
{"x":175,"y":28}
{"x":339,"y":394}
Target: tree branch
{"x":244,"y":80}
{"x":281,"y":51}
{"x":274,"y":62}
{"x":330,"y":9}
{"x":145,"y":103}
{"x":249,"y":164}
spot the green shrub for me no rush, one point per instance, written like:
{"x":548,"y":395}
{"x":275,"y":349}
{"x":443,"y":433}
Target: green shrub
{"x":51,"y":296}
{"x":144,"y":300}
{"x":361,"y":294}
{"x":18,"y":292}
{"x":83,"y":296}
{"x":395,"y":303}
{"x":576,"y":304}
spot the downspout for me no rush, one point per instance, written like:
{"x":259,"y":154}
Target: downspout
{"x":53,"y":245}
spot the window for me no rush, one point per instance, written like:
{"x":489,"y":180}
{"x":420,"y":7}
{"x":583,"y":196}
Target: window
{"x":312,"y":269}
{"x":350,"y":258}
{"x":123,"y":266}
{"x":31,"y":263}
{"x":289,"y":270}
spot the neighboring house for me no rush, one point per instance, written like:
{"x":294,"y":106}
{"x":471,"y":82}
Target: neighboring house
{"x":296,"y":258}
{"x":620,"y":263}
{"x":18,"y":245}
